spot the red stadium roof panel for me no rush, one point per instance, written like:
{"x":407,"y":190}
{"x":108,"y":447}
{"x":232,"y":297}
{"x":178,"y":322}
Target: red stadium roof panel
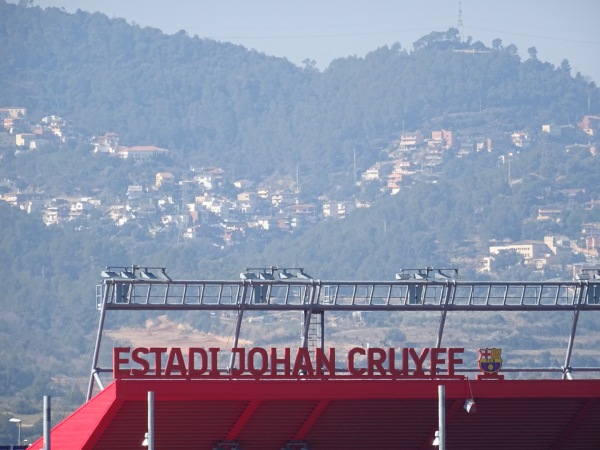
{"x":337,"y":414}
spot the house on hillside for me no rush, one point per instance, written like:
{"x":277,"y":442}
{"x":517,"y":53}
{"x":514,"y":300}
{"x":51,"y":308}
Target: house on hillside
{"x":283,"y":197}
{"x":520,"y":139}
{"x":141,"y":152}
{"x":301,"y":210}
{"x":29,"y":201}
{"x":243,"y":184}
{"x":443,"y":138}
{"x":552,"y":250}
{"x":337,"y":210}
{"x":107,"y":143}
{"x":590,"y":125}
{"x":553,"y":214}
{"x":210,"y":177}
{"x":560,"y":246}
{"x":56,"y":126}
{"x":13,"y":119}
{"x":411,"y":140}
{"x":14,"y":125}
{"x":13,"y":112}
{"x":25,"y":140}
{"x":590,"y":233}
{"x":57,"y":211}
{"x":529,"y":249}
{"x":551,"y":129}
{"x":163,"y":179}
{"x":246,"y":202}
{"x":377,"y":171}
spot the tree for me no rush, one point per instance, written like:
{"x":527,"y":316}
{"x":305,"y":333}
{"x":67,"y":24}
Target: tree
{"x":506,"y":259}
{"x":497,"y":44}
{"x":511,"y":49}
{"x":309,"y":64}
{"x":565,"y":66}
{"x":532,"y":51}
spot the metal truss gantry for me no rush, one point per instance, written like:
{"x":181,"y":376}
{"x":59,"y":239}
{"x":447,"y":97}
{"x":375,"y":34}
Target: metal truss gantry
{"x":150,"y":289}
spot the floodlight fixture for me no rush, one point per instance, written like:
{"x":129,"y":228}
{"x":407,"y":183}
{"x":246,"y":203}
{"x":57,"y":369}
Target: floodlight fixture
{"x":135,"y":271}
{"x":425,"y":274}
{"x":302,"y":274}
{"x":163,"y":274}
{"x":147,"y":275}
{"x":293,"y":272}
{"x":285,"y":275}
{"x":128,"y":275}
{"x":436,"y":439}
{"x":109,"y":274}
{"x":261,"y":273}
{"x":446,"y":274}
{"x":248,"y":275}
{"x":470,"y":406}
{"x":151,"y":273}
{"x":266,"y":276}
{"x":403,"y":276}
{"x":273,"y":273}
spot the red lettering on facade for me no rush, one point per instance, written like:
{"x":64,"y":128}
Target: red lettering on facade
{"x":137,"y":357}
{"x":158,"y":352}
{"x":214,"y":360}
{"x":302,"y":364}
{"x":325,"y":364}
{"x":351,"y":365}
{"x":453,"y":360}
{"x":118,"y":360}
{"x":375,"y":359}
{"x":285,"y":361}
{"x":418,"y":360}
{"x":436,"y":359}
{"x":257,"y":362}
{"x":263,"y":361}
{"x":203,"y":367}
{"x":175,"y":363}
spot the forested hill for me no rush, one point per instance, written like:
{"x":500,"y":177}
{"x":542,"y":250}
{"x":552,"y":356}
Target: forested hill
{"x":213,"y":103}
{"x":217,"y":103}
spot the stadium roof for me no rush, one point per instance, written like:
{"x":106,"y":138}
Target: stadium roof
{"x":260,"y":403}
{"x":336,"y":414}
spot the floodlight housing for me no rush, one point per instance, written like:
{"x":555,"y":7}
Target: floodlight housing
{"x":436,"y":439}
{"x":470,"y":406}
{"x":303,"y":275}
{"x":128,"y":275}
{"x":109,"y":274}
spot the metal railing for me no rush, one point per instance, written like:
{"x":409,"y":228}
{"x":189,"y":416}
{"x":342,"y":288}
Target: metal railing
{"x":316,"y":298}
{"x":348,"y":295}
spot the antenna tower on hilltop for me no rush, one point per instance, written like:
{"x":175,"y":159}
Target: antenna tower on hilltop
{"x":459,"y":25}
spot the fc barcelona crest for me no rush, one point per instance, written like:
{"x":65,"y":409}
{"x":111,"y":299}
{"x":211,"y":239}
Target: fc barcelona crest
{"x":490,"y":362}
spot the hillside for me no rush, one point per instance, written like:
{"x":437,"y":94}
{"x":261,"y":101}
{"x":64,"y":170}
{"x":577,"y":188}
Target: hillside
{"x":219,"y":104}
{"x":260,"y":117}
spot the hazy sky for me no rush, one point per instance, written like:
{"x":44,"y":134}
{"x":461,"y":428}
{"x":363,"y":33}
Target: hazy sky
{"x":323,"y":30}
